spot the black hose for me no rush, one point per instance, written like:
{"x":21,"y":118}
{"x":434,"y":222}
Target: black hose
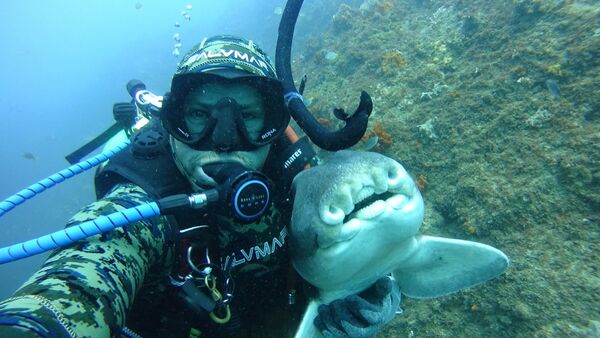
{"x":356,"y":124}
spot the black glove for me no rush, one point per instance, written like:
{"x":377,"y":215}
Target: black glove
{"x":125,"y":113}
{"x":362,"y":315}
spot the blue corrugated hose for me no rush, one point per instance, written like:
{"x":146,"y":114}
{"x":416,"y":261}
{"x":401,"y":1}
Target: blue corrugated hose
{"x":52,"y":180}
{"x":76,"y":232}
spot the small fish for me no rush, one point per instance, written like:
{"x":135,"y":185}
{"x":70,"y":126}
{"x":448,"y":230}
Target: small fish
{"x":371,"y":143}
{"x":278,"y":10}
{"x":138,"y":5}
{"x":189,"y":7}
{"x":552,"y":86}
{"x":29,"y":156}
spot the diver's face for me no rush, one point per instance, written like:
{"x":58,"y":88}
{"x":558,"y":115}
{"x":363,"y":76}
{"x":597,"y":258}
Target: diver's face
{"x":198,"y":104}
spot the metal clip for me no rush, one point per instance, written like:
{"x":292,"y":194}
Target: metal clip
{"x":292,"y":297}
{"x":179,"y":280}
{"x":148,"y":102}
{"x":203,"y":272}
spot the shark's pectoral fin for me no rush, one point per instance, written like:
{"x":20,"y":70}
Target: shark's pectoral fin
{"x":441,"y":266}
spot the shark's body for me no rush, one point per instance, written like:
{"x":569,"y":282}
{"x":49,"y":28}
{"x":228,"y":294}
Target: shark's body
{"x":356,"y":219}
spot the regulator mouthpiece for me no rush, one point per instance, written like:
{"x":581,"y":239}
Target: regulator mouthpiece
{"x":244,"y":194}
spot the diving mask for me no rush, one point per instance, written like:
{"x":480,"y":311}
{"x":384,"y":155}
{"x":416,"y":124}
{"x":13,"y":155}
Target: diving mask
{"x":208,"y":111}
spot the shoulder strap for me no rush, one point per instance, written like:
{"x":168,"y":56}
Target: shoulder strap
{"x":146,"y":162}
{"x":287,"y":160}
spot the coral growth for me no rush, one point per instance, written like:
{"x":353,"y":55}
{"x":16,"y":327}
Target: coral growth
{"x":471,"y":229}
{"x":555,"y":69}
{"x":343,"y":19}
{"x":384,"y":136}
{"x":385,"y":5}
{"x":422,"y":183}
{"x":392,"y":61}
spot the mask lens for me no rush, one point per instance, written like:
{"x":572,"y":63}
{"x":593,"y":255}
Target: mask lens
{"x":253,"y":120}
{"x":196,"y":120}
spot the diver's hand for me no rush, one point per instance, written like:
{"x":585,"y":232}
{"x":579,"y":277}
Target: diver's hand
{"x":361,"y":315}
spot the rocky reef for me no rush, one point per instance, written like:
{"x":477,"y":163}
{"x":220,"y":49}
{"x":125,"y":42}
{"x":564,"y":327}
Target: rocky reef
{"x":494,"y":107}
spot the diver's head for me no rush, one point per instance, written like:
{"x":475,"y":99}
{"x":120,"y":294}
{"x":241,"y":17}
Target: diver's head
{"x":225,"y":105}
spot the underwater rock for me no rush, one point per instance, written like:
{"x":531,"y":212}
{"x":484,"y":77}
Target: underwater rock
{"x":525,"y":14}
{"x":368,"y":4}
{"x":331,"y":56}
{"x":540,"y":117}
{"x":427,"y":129}
{"x":343,"y":19}
{"x":307,"y":101}
{"x":469,"y":25}
{"x":509,"y":153}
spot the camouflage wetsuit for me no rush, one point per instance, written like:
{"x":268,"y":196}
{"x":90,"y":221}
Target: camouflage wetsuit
{"x":95,"y":287}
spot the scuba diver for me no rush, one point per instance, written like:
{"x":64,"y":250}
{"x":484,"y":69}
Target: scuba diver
{"x":219,"y":271}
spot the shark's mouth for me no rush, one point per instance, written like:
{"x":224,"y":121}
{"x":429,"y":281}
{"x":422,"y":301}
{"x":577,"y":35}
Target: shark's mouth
{"x":367,"y":202}
{"x":368,"y":206}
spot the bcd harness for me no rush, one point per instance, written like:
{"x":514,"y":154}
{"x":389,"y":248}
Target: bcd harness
{"x":148,"y":163}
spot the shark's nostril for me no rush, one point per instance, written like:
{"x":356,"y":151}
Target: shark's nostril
{"x":395,"y":175}
{"x":333,"y":215}
{"x":392,"y":173}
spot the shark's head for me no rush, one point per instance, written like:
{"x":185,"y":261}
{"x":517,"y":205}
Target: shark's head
{"x":356,"y":209}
